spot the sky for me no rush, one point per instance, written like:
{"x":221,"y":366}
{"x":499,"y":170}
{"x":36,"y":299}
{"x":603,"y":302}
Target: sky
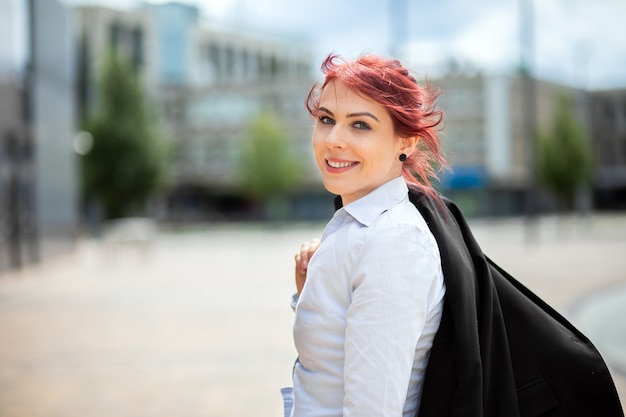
{"x":576,"y":42}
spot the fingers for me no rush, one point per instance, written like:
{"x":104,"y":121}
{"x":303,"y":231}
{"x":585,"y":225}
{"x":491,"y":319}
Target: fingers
{"x":302,"y":258}
{"x":307,"y":249}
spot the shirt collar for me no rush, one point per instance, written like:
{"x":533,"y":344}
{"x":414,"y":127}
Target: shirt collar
{"x":367,"y":208}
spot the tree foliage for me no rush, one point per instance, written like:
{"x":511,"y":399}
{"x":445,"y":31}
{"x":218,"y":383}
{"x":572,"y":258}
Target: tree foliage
{"x":564,"y":155}
{"x":128,"y":160}
{"x":269,"y":167}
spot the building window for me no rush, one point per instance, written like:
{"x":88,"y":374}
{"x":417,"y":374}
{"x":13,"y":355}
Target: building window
{"x":213,"y":53}
{"x":230,"y":62}
{"x":609,"y":112}
{"x":137,"y":47}
{"x":245,"y":64}
{"x":273,"y":66}
{"x":264,"y":67}
{"x":115,"y":34}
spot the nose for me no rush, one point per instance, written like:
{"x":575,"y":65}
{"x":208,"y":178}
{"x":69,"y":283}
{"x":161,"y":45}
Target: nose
{"x":334,"y":138}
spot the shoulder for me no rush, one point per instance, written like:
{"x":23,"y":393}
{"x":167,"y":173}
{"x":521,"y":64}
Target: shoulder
{"x":402,"y":228}
{"x":403,"y":218}
{"x":398,"y":247}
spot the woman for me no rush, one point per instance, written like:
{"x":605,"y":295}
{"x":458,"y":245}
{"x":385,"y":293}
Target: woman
{"x":370,"y":292}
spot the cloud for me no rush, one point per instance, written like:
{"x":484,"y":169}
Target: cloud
{"x":492,"y":41}
{"x":489,"y":43}
{"x":581,"y":42}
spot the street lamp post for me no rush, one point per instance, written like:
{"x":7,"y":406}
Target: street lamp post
{"x":529,"y":119}
{"x":28,"y":159}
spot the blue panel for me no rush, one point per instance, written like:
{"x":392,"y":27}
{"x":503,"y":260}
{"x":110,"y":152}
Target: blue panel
{"x":464,"y":177}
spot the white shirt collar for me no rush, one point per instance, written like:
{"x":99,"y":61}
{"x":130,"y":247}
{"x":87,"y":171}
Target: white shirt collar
{"x":367,"y":208}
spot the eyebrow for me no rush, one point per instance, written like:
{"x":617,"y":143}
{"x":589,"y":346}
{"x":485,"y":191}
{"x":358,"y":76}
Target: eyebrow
{"x":358,"y":114}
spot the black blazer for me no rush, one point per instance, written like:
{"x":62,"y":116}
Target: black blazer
{"x":501,"y":351}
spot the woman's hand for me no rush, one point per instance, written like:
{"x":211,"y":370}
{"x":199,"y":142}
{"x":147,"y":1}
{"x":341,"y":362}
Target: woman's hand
{"x":307,"y":249}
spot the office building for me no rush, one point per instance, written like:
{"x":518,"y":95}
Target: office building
{"x":38,"y":179}
{"x":487,"y":140}
{"x":207,"y":80}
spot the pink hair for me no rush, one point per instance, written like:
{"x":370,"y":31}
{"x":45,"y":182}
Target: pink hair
{"x":411,"y":106}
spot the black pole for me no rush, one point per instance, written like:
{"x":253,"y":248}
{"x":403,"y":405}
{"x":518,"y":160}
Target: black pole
{"x":29,"y":151}
{"x":14,"y":233}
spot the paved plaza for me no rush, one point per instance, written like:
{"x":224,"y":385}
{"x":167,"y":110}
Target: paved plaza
{"x":198,"y":323}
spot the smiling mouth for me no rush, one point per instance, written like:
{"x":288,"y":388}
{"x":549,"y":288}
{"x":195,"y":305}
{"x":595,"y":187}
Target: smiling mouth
{"x":335,"y":164}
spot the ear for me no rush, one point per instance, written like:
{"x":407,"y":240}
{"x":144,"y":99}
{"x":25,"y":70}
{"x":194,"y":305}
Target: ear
{"x":409,"y":144}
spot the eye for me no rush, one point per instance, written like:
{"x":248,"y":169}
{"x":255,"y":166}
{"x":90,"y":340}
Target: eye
{"x":325,"y":120}
{"x":361,"y":125}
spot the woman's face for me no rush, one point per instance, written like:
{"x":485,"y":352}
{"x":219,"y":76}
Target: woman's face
{"x":355,"y":146}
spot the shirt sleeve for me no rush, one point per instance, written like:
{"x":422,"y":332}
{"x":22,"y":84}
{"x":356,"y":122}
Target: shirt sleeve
{"x":395,"y":276}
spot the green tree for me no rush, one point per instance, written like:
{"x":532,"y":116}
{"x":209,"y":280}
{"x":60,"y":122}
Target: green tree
{"x":128,"y":160}
{"x":270,"y":170}
{"x":564,"y":155}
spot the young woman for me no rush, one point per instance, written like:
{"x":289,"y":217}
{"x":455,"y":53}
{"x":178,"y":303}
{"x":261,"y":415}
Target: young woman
{"x":370,"y":291}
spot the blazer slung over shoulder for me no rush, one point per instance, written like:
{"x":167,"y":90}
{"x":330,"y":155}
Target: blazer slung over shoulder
{"x":500,"y":350}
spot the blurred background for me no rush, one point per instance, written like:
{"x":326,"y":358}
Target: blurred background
{"x":135,"y":136}
{"x":192,"y":111}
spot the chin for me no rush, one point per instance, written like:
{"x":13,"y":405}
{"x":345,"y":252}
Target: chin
{"x":332,"y":188}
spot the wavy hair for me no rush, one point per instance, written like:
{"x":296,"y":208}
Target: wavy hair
{"x":412,"y":108}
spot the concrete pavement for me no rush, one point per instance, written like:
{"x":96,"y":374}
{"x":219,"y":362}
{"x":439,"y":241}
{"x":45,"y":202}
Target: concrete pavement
{"x":199,"y":324}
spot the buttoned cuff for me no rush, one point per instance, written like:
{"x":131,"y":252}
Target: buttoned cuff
{"x":294,"y":301}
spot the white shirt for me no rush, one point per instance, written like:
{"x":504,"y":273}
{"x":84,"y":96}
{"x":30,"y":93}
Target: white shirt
{"x":369,"y":310}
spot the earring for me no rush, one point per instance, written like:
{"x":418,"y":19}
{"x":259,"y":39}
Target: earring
{"x":402,"y":157}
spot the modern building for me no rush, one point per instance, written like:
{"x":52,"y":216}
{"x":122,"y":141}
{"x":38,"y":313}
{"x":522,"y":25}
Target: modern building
{"x":232,"y":76}
{"x":38,"y":192}
{"x":100,"y":30}
{"x":487,"y":140}
{"x":208,"y":81}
